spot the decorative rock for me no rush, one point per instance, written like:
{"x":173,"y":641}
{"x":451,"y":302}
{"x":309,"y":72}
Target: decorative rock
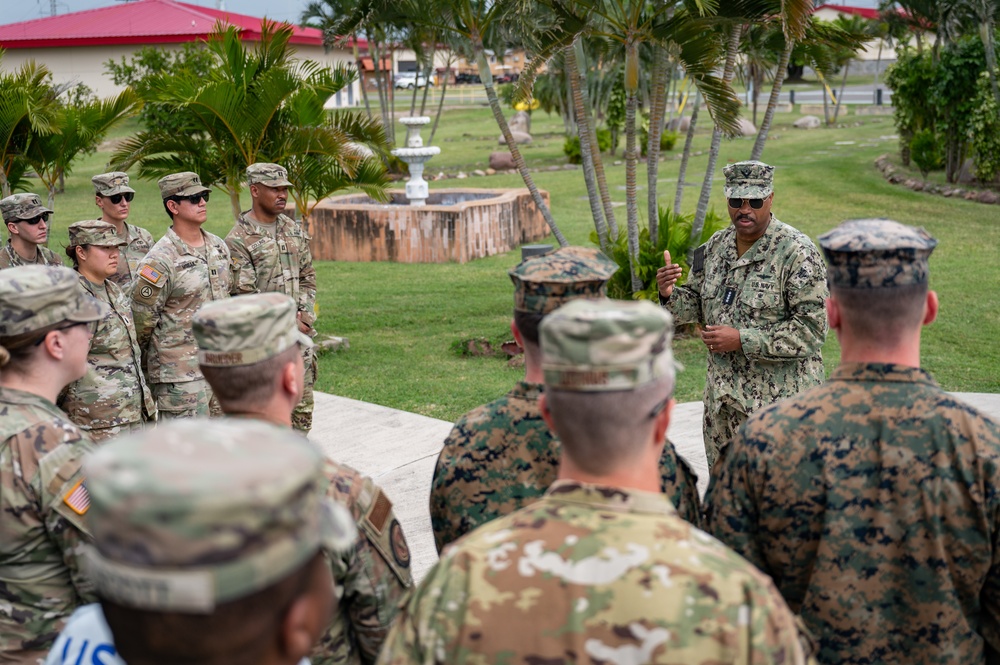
{"x":520,"y":138}
{"x":807,"y":122}
{"x":520,"y":122}
{"x":554,"y":167}
{"x":680,"y":125}
{"x":988,"y":197}
{"x":491,"y":171}
{"x":747,"y":128}
{"x":501,"y":160}
{"x":332,"y":344}
{"x":516,"y":362}
{"x":570,"y":167}
{"x":479,"y":172}
{"x":461,"y":175}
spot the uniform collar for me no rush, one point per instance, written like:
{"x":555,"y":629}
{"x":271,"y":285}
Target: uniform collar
{"x":883,"y":372}
{"x":184,"y":248}
{"x":610,"y":498}
{"x":526,"y":390}
{"x":15,"y":396}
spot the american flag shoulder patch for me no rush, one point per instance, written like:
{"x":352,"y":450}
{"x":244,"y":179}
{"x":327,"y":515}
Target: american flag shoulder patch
{"x":150,"y":274}
{"x":78,"y":498}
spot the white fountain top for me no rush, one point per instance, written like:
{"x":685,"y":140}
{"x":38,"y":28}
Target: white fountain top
{"x":428,"y":151}
{"x":415,"y":120}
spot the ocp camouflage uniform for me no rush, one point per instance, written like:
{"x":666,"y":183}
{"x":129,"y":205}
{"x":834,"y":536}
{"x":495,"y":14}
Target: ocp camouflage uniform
{"x":775,"y":296}
{"x":24,"y":206}
{"x":171,"y":283}
{"x":502,"y":456}
{"x":137,"y":241}
{"x":11,"y":259}
{"x":43,"y":500}
{"x":277,"y":258}
{"x":873,"y":501}
{"x":374,"y":576}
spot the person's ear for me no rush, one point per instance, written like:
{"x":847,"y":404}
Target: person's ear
{"x":518,"y":337}
{"x":543,"y":407}
{"x":12,"y":228}
{"x":299,"y":629}
{"x":930,"y":308}
{"x":98,"y":201}
{"x":55,"y":345}
{"x":662,"y":422}
{"x":290,"y":380}
{"x":173,"y":206}
{"x":833,"y":313}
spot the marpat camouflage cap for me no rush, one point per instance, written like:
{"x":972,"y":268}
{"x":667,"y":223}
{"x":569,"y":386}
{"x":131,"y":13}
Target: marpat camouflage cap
{"x":246,"y":329}
{"x":599,"y":345}
{"x":544,"y":283}
{"x":21,"y":206}
{"x":94,"y":232}
{"x":269,"y":175}
{"x":195,"y":512}
{"x":185,"y":183}
{"x":35,"y":297}
{"x":749,"y":180}
{"x":109,"y":184}
{"x":876,"y":253}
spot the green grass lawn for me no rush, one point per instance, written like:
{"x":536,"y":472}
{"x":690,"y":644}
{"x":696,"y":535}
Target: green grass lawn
{"x":403,"y":320}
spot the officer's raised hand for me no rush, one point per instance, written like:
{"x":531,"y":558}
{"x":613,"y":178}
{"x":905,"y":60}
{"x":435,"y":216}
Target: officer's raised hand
{"x":667,"y":276}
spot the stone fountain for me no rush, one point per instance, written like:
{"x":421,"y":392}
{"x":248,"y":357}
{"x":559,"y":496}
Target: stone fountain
{"x":451,"y":225}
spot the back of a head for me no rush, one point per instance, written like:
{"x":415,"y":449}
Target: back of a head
{"x":878,"y":271}
{"x":205,"y":532}
{"x":609,"y":370}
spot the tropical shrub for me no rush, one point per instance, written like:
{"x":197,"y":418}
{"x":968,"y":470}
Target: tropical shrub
{"x":984,"y":132}
{"x":571,"y":147}
{"x":925,"y":152}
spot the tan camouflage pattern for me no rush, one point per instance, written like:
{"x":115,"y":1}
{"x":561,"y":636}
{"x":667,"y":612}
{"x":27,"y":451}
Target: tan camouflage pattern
{"x":592,"y":574}
{"x":179,"y":280}
{"x":502,"y":456}
{"x":137,"y":243}
{"x":245,"y":330}
{"x":876,"y":253}
{"x":606,"y":345}
{"x":278,"y":259}
{"x":778,"y":307}
{"x":196,"y":512}
{"x":185,"y":183}
{"x":94,"y":232}
{"x":109,"y":184}
{"x":544,"y":283}
{"x":269,"y":175}
{"x":372,"y":580}
{"x":21,"y":206}
{"x":44,"y":256}
{"x":35,"y":297}
{"x":749,"y":180}
{"x":113,"y":394}
{"x":40,"y":535}
{"x":872,"y":502}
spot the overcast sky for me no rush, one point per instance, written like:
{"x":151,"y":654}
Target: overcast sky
{"x":281,"y":10}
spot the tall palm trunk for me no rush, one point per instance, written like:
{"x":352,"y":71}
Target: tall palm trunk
{"x":4,"y":184}
{"x":602,"y":181}
{"x":361,"y":75}
{"x":383,"y":99}
{"x":631,"y":160}
{"x":772,"y":101}
{"x":437,"y":115}
{"x":657,"y":111}
{"x":586,"y":149}
{"x":840,"y":97}
{"x":687,"y":153}
{"x":427,"y":79}
{"x":234,"y":200}
{"x":713,"y":153}
{"x":522,"y":167}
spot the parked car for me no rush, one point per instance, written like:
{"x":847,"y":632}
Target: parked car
{"x":409,"y":79}
{"x":467,"y":78}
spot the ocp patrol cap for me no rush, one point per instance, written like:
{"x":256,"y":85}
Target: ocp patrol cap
{"x":269,"y":175}
{"x":185,"y":183}
{"x":195,"y":513}
{"x":544,"y":283}
{"x":109,"y":184}
{"x":94,"y":232}
{"x":606,"y":345}
{"x":245,"y":330}
{"x":36,"y":297}
{"x":876,"y":253}
{"x":21,"y":206}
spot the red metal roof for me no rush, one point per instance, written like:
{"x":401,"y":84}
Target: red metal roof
{"x":863,"y":12}
{"x":142,"y":22}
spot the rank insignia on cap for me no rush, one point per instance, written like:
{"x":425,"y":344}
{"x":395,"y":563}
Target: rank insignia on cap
{"x":78,"y":498}
{"x":150,"y":274}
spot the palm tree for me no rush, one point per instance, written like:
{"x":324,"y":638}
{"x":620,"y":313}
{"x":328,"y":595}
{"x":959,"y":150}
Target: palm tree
{"x":27,"y":107}
{"x":257,"y":104}
{"x":324,"y":13}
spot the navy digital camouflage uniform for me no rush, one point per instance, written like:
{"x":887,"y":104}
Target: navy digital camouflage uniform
{"x":502,"y":456}
{"x":774,"y":295}
{"x":873,"y":501}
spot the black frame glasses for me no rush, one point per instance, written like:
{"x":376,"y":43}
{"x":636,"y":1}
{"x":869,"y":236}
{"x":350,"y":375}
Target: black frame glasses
{"x":117,"y":198}
{"x":35,"y":221}
{"x":736,"y":204}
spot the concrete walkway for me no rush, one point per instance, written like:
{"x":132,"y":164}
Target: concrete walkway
{"x":399,"y":449}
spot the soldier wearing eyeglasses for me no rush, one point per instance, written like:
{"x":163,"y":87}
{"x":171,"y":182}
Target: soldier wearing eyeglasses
{"x":27,"y":221}
{"x":113,"y":196}
{"x":186,"y":268}
{"x":758,"y":289}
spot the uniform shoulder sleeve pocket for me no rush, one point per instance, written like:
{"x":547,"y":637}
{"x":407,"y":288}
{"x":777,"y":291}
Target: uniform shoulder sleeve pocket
{"x":382,"y":530}
{"x":148,"y":284}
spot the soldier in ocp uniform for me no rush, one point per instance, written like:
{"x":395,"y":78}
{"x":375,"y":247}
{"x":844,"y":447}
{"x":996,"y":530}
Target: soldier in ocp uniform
{"x":45,"y":319}
{"x":601,"y":569}
{"x":112,"y":397}
{"x":113,"y":196}
{"x":270,"y":252}
{"x":757,"y":288}
{"x":27,"y":221}
{"x":502,"y":456}
{"x":186,"y":268}
{"x":210,"y":546}
{"x":873,"y":500}
{"x":250,"y":350}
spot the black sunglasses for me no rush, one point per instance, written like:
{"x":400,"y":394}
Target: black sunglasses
{"x":756,"y":204}
{"x":194,"y":199}
{"x":117,"y":198}
{"x":35,"y":221}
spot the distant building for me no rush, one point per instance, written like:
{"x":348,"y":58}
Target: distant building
{"x":872,"y":52}
{"x":75,"y":46}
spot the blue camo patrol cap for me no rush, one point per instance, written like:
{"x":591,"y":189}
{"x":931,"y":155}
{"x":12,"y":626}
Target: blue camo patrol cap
{"x":544,"y":283}
{"x":749,"y":180}
{"x":876,"y":253}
